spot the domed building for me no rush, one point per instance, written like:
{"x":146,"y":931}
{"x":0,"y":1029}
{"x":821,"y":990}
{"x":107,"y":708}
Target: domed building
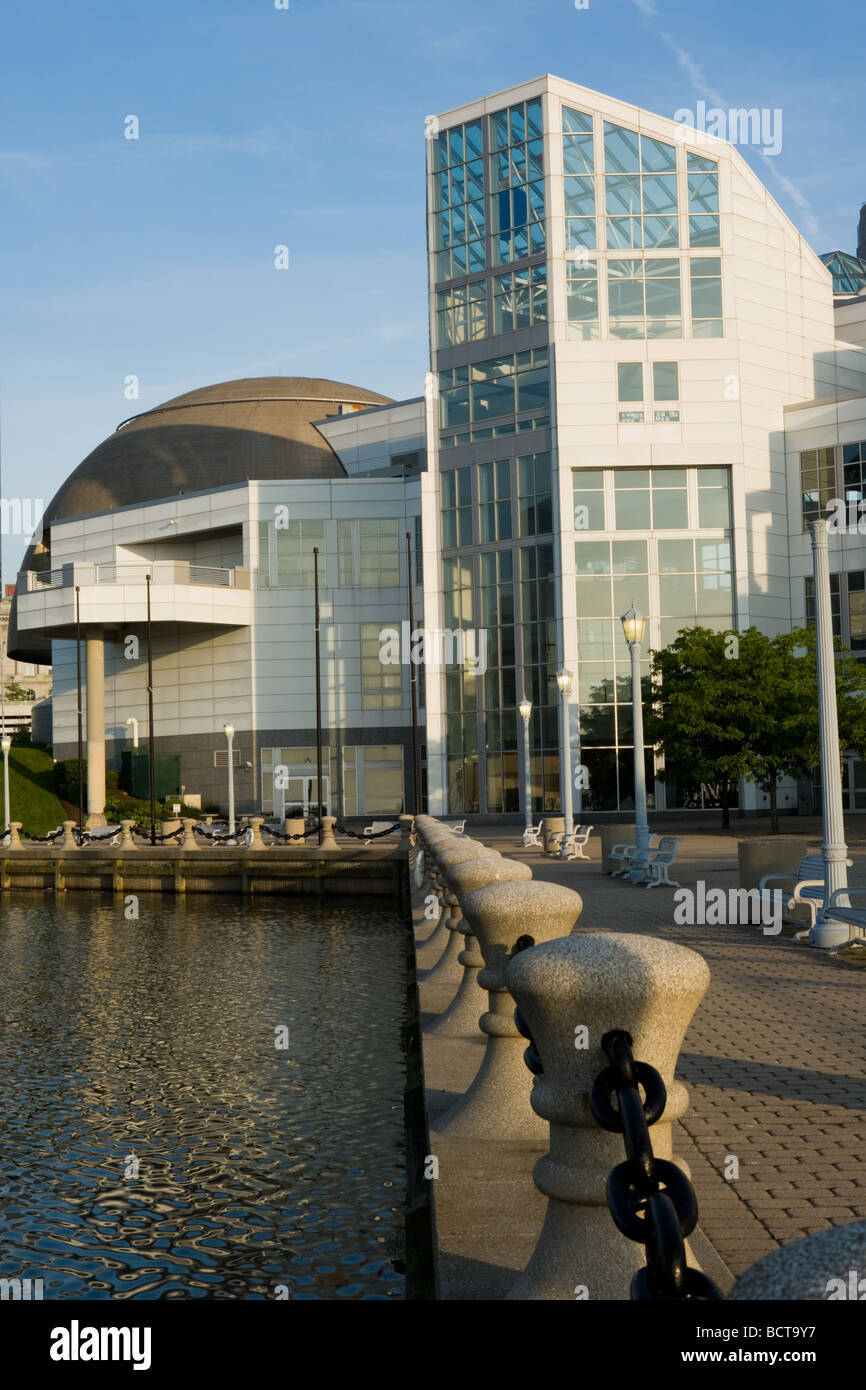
{"x":207,"y":510}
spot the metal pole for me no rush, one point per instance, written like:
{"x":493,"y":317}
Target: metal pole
{"x":413,"y":686}
{"x":318,"y":691}
{"x":80,"y":714}
{"x":834,"y":849}
{"x":151,"y":750}
{"x":641,"y":824}
{"x":527,"y":781}
{"x":568,"y":814}
{"x":230,"y":740}
{"x":7,"y":814}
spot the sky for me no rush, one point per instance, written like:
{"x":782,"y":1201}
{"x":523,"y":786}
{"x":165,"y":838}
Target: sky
{"x":304,"y":127}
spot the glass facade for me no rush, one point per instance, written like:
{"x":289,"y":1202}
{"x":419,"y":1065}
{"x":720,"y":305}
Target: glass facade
{"x":460,"y":218}
{"x":369,"y":551}
{"x":286,"y":554}
{"x":517,"y":183}
{"x":817,"y":483}
{"x":679,"y":580}
{"x":625,"y":192}
{"x":510,"y":390}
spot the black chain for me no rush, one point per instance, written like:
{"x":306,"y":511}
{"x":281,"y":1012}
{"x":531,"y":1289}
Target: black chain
{"x":344,"y":830}
{"x":650,"y":1199}
{"x":302,"y":835}
{"x":531,"y":1056}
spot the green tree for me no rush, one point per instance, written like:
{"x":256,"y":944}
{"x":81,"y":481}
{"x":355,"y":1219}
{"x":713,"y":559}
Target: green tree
{"x":731,"y":705}
{"x":16,"y":693}
{"x":698,"y":718}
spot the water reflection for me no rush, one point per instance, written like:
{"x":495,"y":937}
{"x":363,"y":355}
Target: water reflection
{"x":148,"y":1046}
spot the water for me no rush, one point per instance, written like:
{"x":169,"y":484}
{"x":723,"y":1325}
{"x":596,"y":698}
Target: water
{"x":148,"y":1046}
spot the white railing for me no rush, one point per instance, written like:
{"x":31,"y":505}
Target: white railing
{"x":160,"y":571}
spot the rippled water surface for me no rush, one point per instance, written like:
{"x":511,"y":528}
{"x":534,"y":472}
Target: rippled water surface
{"x":262,"y":1172}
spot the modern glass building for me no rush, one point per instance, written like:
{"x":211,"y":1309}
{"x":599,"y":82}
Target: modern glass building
{"x":643,"y":384}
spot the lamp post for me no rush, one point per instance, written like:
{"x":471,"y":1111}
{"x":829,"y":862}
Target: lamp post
{"x":834,"y":849}
{"x":132,"y":723}
{"x":634,"y":625}
{"x":6,"y":744}
{"x":228,"y":730}
{"x":564,"y":681}
{"x":525,"y":708}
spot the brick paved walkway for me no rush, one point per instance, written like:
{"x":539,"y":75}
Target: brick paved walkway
{"x":775,"y":1058}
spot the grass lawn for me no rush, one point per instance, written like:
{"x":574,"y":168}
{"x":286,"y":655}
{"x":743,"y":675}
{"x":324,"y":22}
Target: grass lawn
{"x":32,"y":798}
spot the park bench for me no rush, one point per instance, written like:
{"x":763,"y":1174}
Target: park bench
{"x":458,"y":826}
{"x":578,"y":842}
{"x":108,"y":834}
{"x":655,"y":862}
{"x":623,"y":854}
{"x":377,"y":827}
{"x":810,"y":891}
{"x":532,"y":836}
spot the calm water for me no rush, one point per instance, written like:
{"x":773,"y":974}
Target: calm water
{"x":151,"y":1044}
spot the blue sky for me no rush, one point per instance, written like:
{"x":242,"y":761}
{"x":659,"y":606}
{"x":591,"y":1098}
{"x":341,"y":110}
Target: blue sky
{"x":305,"y":127}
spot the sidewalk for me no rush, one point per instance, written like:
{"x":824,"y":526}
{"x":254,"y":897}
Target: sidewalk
{"x":775,"y":1059}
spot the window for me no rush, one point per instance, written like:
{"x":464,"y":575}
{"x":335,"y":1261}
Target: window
{"x":630,"y":388}
{"x":520,"y":299}
{"x":817,"y":482}
{"x":458,"y":200}
{"x":369,"y":553}
{"x":703,"y":187}
{"x":640,"y":191}
{"x":666,"y":387}
{"x":857,"y":611}
{"x":706,"y":272}
{"x":517,"y":182}
{"x":534,"y":494}
{"x":644,"y":298}
{"x":456,"y":486}
{"x":714,"y":502}
{"x":835,"y":603}
{"x":462,"y":314}
{"x":286,"y":554}
{"x":484,"y":391}
{"x":651,"y":499}
{"x":578,"y":162}
{"x":494,"y":501}
{"x":381,"y":682}
{"x":373,"y":780}
{"x":588,"y":492}
{"x":581,"y":286}
{"x":854,"y":472}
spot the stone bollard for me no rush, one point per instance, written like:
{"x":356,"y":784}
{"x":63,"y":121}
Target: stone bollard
{"x":496,"y":1105}
{"x":597,"y":982}
{"x":15,"y":827}
{"x":828,"y":1266}
{"x":68,"y":841}
{"x":447,"y":970}
{"x":295,"y":826}
{"x":438,"y":937}
{"x":461,"y":1017}
{"x":189,"y":841}
{"x":256,"y":823}
{"x":328,"y":841}
{"x":407,"y":832}
{"x":126,"y":829}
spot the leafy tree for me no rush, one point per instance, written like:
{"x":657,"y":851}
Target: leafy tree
{"x":16,"y":693}
{"x":699,"y":716}
{"x":745,"y":704}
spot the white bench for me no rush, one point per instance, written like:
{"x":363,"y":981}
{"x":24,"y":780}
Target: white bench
{"x":532,"y":836}
{"x":653,"y":863}
{"x":623,"y":854}
{"x":577,"y":842}
{"x":810,"y":888}
{"x":458,"y":826}
{"x":376,"y":827}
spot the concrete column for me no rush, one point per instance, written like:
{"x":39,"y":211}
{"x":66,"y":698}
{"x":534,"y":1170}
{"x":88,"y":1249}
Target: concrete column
{"x":94,"y":646}
{"x":496,"y":1105}
{"x":460,"y":1019}
{"x":834,"y":849}
{"x":570,"y":993}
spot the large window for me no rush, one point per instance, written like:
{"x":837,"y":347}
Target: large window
{"x":381,"y":682}
{"x":369,"y":552}
{"x":462,"y":314}
{"x":535,"y":494}
{"x":835,"y":602}
{"x":703,"y":185}
{"x":644,"y":499}
{"x":494,"y":501}
{"x":456,"y":488}
{"x":644,"y":297}
{"x":578,"y":163}
{"x":517,"y":182}
{"x":286,"y":554}
{"x":706,"y":283}
{"x":817,"y":482}
{"x":483,"y":391}
{"x":640,"y":190}
{"x":520,"y":299}
{"x":373,"y":780}
{"x":458,"y":184}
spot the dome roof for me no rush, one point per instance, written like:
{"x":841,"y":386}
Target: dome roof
{"x":258,"y":427}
